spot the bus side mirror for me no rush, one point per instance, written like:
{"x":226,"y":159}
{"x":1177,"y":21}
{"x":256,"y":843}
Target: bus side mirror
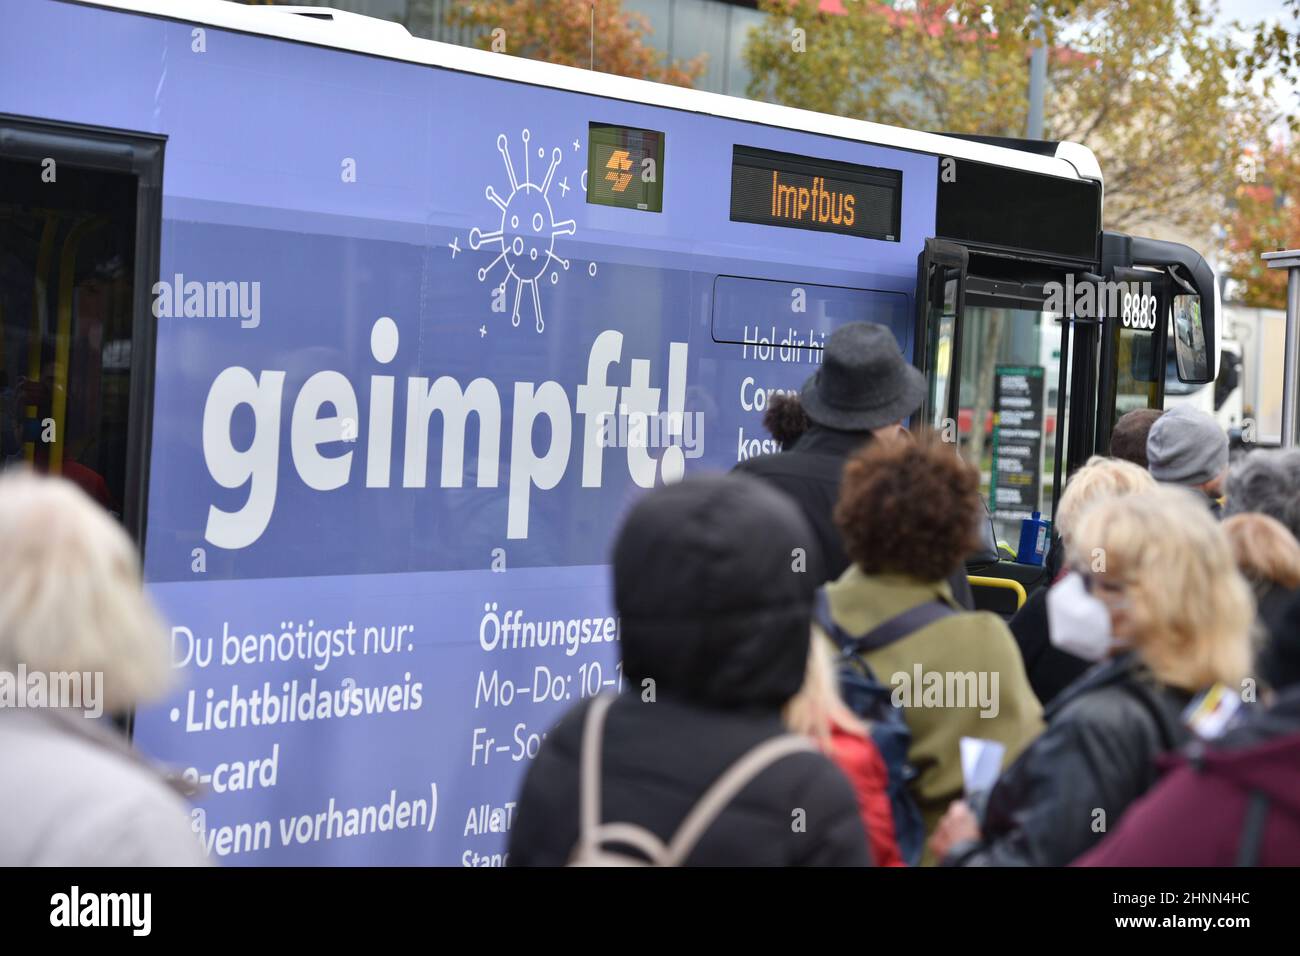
{"x":1190,"y":348}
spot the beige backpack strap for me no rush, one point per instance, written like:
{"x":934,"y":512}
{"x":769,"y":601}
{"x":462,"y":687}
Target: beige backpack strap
{"x":593,"y":733}
{"x":629,"y":834}
{"x":735,"y":779}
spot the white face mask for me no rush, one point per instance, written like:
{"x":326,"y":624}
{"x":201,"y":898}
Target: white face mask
{"x":1077,"y":622}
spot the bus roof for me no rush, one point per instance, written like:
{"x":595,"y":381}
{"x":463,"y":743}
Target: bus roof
{"x":368,"y":35}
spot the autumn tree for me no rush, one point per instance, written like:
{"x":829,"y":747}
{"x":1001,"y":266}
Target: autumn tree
{"x":1162,"y":100}
{"x":1146,"y":84}
{"x":600,"y":34}
{"x":939,"y":66}
{"x":1277,"y":48}
{"x":1266,"y":217}
{"x":1158,"y":96}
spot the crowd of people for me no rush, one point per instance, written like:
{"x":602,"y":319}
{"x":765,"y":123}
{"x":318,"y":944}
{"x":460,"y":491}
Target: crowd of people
{"x":1141,"y":707}
{"x":808,"y":680}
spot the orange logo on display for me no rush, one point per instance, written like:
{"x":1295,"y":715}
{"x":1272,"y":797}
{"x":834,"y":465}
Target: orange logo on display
{"x":619,"y":160}
{"x":815,"y":204}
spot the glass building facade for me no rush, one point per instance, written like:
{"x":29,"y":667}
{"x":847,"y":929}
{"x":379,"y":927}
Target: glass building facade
{"x":681,"y":29}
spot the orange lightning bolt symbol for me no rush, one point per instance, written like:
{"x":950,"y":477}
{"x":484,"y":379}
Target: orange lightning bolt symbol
{"x":619,"y":160}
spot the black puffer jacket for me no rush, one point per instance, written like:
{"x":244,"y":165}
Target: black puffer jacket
{"x":1097,"y":756}
{"x":715,"y":620}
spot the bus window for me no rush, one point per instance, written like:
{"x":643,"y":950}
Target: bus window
{"x":940,"y":326}
{"x":1137,"y":371}
{"x":758,"y":313}
{"x":67,"y":264}
{"x":1010,"y":369}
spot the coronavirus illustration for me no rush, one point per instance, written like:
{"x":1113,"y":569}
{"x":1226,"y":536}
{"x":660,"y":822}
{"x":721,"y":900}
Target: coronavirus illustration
{"x":526,"y":235}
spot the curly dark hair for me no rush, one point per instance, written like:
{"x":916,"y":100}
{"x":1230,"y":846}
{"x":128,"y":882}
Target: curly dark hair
{"x":785,"y":418}
{"x":908,"y":507}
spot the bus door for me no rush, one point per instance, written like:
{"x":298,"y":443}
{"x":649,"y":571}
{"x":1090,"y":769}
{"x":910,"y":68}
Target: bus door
{"x":1160,"y":301}
{"x":79,"y":221}
{"x":1012,"y":382}
{"x":1030,"y":363}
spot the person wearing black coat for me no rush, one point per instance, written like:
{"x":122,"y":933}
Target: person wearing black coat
{"x":1172,"y":615}
{"x":715,"y":628}
{"x":864,"y":386}
{"x":1234,"y":802}
{"x":1096,"y":757}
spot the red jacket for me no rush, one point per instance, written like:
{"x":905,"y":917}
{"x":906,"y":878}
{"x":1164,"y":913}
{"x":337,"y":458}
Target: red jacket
{"x":1197,"y":814}
{"x":861,"y":762}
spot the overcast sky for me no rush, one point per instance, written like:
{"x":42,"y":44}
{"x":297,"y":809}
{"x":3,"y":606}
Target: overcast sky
{"x":1249,"y":13}
{"x":1252,"y":11}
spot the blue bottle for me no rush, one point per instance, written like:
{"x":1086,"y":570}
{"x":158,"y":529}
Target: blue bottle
{"x":1033,"y":539}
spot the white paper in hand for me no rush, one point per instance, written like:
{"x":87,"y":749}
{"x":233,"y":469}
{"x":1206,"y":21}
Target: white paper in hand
{"x":981,"y":763}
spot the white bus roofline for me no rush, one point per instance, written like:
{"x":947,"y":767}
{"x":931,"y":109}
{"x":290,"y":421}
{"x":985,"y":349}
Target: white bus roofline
{"x":367,"y":35}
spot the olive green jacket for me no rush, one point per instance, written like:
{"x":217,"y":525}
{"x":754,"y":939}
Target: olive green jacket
{"x":960,"y":676}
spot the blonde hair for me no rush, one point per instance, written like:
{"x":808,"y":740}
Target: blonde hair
{"x":1192,"y":610}
{"x":71,"y":595}
{"x":1098,"y":478}
{"x":1266,"y":552}
{"x":817,"y":708}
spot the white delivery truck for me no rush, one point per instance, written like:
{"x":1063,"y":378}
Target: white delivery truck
{"x":1246,"y":396}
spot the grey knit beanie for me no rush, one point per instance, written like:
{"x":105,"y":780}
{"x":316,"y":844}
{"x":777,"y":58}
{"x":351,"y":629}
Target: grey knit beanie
{"x":1186,"y":447}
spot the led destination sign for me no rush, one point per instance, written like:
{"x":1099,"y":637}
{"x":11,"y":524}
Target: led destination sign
{"x":780,"y":189}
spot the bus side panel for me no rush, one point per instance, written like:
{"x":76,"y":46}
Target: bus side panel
{"x":376,"y":523}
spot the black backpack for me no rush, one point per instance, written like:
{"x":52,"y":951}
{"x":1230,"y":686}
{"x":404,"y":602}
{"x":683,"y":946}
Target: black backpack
{"x":872,"y":701}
